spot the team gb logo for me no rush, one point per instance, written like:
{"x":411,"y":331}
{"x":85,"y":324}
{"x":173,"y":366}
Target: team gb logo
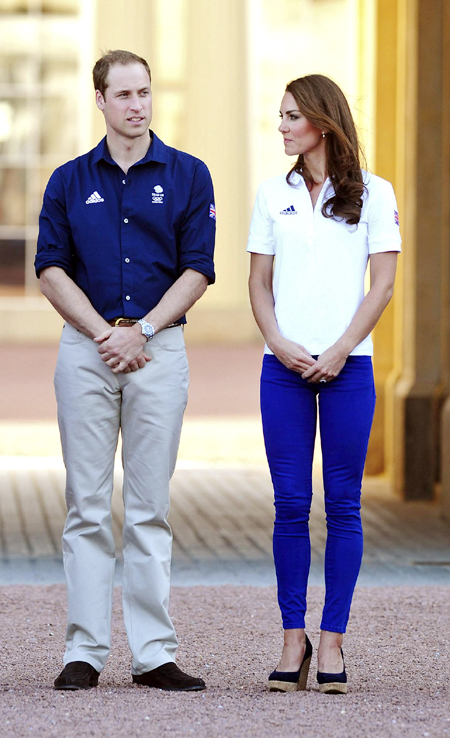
{"x":158,"y":194}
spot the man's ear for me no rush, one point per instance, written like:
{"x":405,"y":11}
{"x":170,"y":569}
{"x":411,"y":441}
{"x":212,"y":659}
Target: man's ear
{"x":100,"y":100}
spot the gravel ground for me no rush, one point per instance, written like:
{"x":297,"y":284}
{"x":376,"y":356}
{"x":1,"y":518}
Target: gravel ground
{"x":397,"y":655}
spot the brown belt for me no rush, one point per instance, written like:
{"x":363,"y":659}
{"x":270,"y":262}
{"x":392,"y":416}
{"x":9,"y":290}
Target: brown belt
{"x":123,"y":322}
{"x":126,"y":322}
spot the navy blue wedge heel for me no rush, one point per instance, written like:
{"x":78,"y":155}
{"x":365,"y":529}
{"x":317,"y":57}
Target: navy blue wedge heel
{"x":292,"y":681}
{"x":333,"y":683}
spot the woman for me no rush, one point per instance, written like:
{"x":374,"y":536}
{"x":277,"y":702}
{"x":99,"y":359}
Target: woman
{"x":322,"y":222}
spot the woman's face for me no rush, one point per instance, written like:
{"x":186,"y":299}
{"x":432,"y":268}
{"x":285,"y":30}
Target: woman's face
{"x":299,"y":135}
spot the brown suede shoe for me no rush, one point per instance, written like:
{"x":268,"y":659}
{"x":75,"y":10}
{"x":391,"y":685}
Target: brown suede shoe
{"x":170,"y":677}
{"x":77,"y":675}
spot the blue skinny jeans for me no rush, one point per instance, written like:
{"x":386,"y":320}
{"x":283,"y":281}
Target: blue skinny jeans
{"x":289,"y":414}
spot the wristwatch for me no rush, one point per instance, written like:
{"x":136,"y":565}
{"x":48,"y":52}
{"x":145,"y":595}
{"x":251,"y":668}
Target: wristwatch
{"x":147,"y":329}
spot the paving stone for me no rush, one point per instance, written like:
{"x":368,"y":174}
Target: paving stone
{"x":222,"y":521}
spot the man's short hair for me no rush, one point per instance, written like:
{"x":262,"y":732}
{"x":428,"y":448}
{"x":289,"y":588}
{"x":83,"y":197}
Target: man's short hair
{"x":104,"y":64}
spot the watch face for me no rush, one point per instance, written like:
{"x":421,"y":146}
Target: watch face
{"x":147,"y":329}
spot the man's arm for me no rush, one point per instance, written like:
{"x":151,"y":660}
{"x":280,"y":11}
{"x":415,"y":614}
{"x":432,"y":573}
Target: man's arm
{"x":118,"y":348}
{"x":178,"y":299}
{"x":73,"y":305}
{"x":71,"y":302}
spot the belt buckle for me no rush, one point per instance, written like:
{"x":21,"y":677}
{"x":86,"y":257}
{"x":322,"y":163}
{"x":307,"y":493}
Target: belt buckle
{"x":124,"y":320}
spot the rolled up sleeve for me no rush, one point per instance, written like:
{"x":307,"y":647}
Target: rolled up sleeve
{"x":54,"y":246}
{"x":198,"y":231}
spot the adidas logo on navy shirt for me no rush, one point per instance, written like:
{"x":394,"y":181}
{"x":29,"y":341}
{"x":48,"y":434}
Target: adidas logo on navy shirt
{"x":95,"y":197}
{"x":289,"y":211}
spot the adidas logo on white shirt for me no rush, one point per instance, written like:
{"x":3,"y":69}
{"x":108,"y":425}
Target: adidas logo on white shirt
{"x":289,"y":211}
{"x":95,"y":197}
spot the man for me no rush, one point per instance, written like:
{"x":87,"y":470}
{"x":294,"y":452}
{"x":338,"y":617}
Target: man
{"x":125,"y":249}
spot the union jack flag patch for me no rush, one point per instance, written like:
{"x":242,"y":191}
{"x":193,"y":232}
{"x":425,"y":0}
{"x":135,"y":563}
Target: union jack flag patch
{"x":396,"y":217}
{"x":212,"y":211}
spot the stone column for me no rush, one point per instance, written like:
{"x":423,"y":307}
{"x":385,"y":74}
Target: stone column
{"x":379,"y":458}
{"x":419,"y":392}
{"x":445,"y":220}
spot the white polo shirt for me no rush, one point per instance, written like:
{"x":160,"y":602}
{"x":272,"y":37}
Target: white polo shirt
{"x":320,"y":263}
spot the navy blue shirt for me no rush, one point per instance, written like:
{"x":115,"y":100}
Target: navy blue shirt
{"x":125,"y":239}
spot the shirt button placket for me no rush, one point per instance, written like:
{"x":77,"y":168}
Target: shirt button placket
{"x":126,"y":247}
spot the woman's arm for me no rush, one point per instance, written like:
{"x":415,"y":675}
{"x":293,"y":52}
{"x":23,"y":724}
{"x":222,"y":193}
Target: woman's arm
{"x":382,"y":276}
{"x":291,"y":354}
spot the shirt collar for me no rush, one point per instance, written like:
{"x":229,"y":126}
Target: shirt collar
{"x":297,"y":179}
{"x":156,"y":152}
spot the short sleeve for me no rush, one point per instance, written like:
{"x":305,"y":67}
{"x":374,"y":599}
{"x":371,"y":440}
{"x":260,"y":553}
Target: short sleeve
{"x":55,"y":245}
{"x":198,"y":231}
{"x":260,"y":239}
{"x":383,"y":223}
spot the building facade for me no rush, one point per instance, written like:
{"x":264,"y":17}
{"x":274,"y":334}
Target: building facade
{"x":219,"y":71}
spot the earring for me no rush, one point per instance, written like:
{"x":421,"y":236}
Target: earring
{"x":323,"y":134}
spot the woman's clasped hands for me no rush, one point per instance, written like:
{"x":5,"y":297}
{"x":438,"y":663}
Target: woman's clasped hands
{"x":323,"y":369}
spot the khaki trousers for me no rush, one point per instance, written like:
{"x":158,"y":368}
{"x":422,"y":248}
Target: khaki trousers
{"x":147,"y":406}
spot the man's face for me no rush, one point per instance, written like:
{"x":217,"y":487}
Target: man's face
{"x":127,"y":103}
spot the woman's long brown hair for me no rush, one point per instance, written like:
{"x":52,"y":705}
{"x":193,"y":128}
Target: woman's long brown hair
{"x":324,"y":104}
